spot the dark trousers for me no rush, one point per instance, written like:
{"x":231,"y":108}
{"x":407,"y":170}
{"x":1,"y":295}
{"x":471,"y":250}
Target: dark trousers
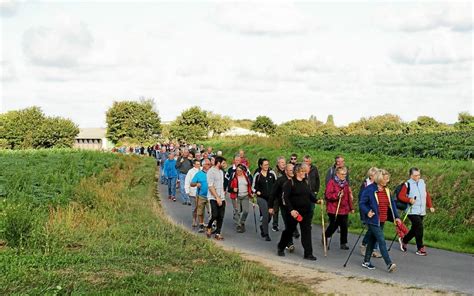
{"x":285,"y":215}
{"x":376,"y":235}
{"x":276,"y":207}
{"x":334,"y":223}
{"x":217,"y":214}
{"x":305,"y":226}
{"x":416,"y":231}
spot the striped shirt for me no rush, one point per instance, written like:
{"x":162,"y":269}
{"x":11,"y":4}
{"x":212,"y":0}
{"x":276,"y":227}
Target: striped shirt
{"x":383,"y":205}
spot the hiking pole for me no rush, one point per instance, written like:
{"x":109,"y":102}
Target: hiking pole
{"x":324,"y":229}
{"x":254,"y":217}
{"x":357,"y":241}
{"x":337,"y":212}
{"x":403,"y":221}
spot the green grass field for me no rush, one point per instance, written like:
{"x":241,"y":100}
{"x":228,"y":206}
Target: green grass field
{"x":449,"y":182}
{"x":109,"y":236}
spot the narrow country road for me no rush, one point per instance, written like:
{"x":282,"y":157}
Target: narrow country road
{"x":440,"y":270}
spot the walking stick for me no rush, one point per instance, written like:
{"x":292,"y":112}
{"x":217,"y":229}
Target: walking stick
{"x":396,"y":234}
{"x":353,"y":247}
{"x":254,"y":217}
{"x":337,"y":212}
{"x":324,"y":228}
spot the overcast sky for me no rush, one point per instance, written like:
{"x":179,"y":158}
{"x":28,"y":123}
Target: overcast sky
{"x":285,"y":60}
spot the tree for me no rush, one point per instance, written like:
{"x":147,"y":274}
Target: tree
{"x":299,"y":127}
{"x":30,"y":128}
{"x":218,"y":124}
{"x":191,"y":125}
{"x":465,"y":121}
{"x":135,"y":121}
{"x":330,"y":120}
{"x":263,"y":124}
{"x":378,"y":125}
{"x":426,"y":124}
{"x":243,"y":123}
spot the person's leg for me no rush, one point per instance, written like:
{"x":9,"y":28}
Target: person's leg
{"x":276,"y":206}
{"x":235,"y":206}
{"x":263,"y":205}
{"x":411,"y":234}
{"x":169,"y":187}
{"x":378,"y":232}
{"x":200,"y":209}
{"x":245,"y":206}
{"x":286,"y":216}
{"x":419,"y":233}
{"x":182,"y":192}
{"x":287,"y":234}
{"x":194,"y":202}
{"x":305,"y":227}
{"x":370,"y":243}
{"x":214,"y":213}
{"x":332,"y":226}
{"x":220,"y":217}
{"x":343,"y":219}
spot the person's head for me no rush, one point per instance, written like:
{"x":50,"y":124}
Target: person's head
{"x":171,"y":155}
{"x":415,"y":174}
{"x":185,"y":152}
{"x":300,"y":170}
{"x":241,"y":153}
{"x":212,"y":159}
{"x":265,"y":165}
{"x":219,"y":153}
{"x":341,"y":173}
{"x":240,"y":170}
{"x":205,"y":155}
{"x":289,"y":170}
{"x":371,"y":173}
{"x":163,"y":149}
{"x":209,"y":150}
{"x":206,"y":164}
{"x":281,"y":163}
{"x":293,"y":158}
{"x":220,"y":162}
{"x":339,"y":161}
{"x":382,"y":177}
{"x":307,"y":160}
{"x":198,"y":156}
{"x":237,"y":160}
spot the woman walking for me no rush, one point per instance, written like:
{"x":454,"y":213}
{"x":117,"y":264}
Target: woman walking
{"x":263,"y":182}
{"x":240,"y":189}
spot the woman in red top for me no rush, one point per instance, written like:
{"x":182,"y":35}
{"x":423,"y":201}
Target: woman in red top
{"x":339,"y":205}
{"x":240,"y":188}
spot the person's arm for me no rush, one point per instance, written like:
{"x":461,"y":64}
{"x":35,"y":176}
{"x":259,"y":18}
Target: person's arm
{"x":179,"y":162}
{"x":403,"y":196}
{"x":187,"y":182}
{"x":364,"y":203}
{"x":332,"y":192}
{"x":286,"y":193}
{"x":195,"y":181}
{"x":255,"y":184}
{"x":429,"y":202}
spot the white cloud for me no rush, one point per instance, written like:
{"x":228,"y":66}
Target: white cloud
{"x":8,"y":8}
{"x":62,"y":45}
{"x":270,"y":19}
{"x":7,"y":71}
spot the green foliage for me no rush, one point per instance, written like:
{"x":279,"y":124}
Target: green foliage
{"x":30,"y":128}
{"x":263,"y":124}
{"x":465,"y":121}
{"x":387,"y":124}
{"x":299,"y":127}
{"x":454,"y":145}
{"x":134,"y":121}
{"x":191,"y":125}
{"x":243,"y":123}
{"x":218,"y":124}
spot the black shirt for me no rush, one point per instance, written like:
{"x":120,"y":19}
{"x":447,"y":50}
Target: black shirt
{"x":297,"y":195}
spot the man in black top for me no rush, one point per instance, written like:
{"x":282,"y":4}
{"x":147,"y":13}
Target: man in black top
{"x":298,"y":200}
{"x":183,"y":165}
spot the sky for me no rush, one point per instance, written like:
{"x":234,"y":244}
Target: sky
{"x":286,"y":60}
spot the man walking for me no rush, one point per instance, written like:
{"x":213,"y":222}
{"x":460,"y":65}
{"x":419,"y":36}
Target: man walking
{"x":183,"y":164}
{"x":200,"y":182}
{"x":216,"y":196}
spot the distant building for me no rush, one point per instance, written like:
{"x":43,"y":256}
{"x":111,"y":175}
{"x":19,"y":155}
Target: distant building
{"x":239,"y":131}
{"x":92,"y":139}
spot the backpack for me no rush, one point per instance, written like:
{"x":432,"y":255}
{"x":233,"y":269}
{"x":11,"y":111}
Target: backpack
{"x":400,"y":204}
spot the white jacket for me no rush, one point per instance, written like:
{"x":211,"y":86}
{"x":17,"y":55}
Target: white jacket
{"x":191,"y":191}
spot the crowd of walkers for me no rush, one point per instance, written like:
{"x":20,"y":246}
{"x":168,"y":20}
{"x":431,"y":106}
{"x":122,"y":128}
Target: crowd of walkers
{"x":291,"y":191}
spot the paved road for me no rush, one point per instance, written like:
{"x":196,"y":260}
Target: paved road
{"x":442,"y":270}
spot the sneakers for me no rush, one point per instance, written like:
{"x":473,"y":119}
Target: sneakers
{"x":403,"y":246}
{"x":376,"y":254}
{"x":184,"y":203}
{"x":310,"y":257}
{"x":421,"y":252}
{"x":290,"y":248}
{"x":344,"y":247}
{"x":238,"y":228}
{"x":201,"y":228}
{"x":275,"y":228}
{"x":242,"y":227}
{"x":170,"y":197}
{"x":363,"y":249}
{"x":281,"y":253}
{"x":173,"y":198}
{"x":368,"y":265}
{"x":267,"y":238}
{"x":392,"y":267}
{"x":218,"y":236}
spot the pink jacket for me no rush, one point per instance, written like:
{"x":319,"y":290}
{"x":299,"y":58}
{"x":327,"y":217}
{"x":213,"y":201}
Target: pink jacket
{"x":332,"y":191}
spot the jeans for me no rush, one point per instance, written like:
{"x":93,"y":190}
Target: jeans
{"x":217,"y":213}
{"x":162,"y":175}
{"x":416,"y":231}
{"x":182,"y":192}
{"x":172,"y":186}
{"x":241,"y":209}
{"x":365,"y":240}
{"x":376,"y":235}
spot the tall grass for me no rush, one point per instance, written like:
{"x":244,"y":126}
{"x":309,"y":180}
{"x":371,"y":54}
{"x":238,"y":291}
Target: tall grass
{"x":449,"y":183}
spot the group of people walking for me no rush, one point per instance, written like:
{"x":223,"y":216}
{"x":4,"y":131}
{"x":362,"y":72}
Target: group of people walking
{"x":291,"y":190}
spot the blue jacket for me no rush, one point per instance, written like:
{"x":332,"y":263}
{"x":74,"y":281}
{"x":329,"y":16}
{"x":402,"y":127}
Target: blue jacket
{"x":368,"y":201}
{"x":170,"y":170}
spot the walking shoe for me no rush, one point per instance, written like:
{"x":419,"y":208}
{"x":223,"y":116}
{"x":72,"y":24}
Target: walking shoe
{"x":218,"y":237}
{"x":275,"y":228}
{"x":290,"y":248}
{"x":208,"y":232}
{"x":242,"y":226}
{"x":363,"y":249}
{"x":310,"y":257}
{"x":173,"y":198}
{"x":194,"y":224}
{"x":344,"y":247}
{"x":421,"y":252}
{"x":169,"y":197}
{"x":238,"y":228}
{"x":281,"y":253}
{"x":201,"y":228}
{"x":267,"y":238}
{"x":392,"y":267}
{"x":403,"y":246}
{"x":368,"y":265}
{"x":189,"y":203}
{"x":184,"y":203}
{"x":296,"y":234}
{"x":376,"y":254}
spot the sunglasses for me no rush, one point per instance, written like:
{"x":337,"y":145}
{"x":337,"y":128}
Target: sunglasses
{"x":293,"y":158}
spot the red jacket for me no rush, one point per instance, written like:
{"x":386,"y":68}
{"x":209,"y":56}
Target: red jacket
{"x":332,"y":198}
{"x":234,"y":183}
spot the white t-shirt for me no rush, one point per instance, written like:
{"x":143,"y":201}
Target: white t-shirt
{"x":191,"y":191}
{"x":215,"y":178}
